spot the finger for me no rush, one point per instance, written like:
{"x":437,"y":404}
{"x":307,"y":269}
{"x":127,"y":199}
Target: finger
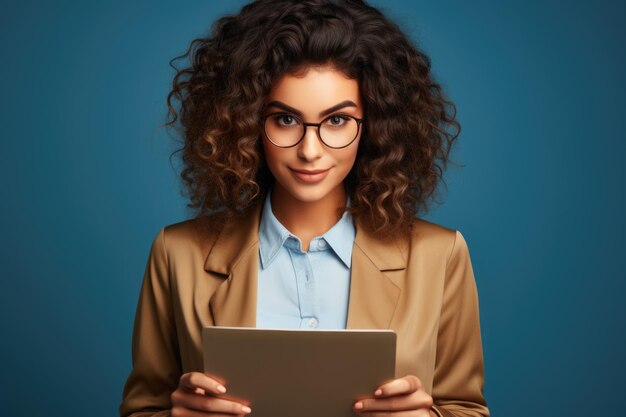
{"x":407,"y":384}
{"x":185,"y":412}
{"x":422,"y":412}
{"x":208,"y":403}
{"x":402,"y":402}
{"x":193,"y":380}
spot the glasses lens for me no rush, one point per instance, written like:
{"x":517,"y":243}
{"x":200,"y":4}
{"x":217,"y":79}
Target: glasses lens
{"x":338,"y":131}
{"x":283,"y":129}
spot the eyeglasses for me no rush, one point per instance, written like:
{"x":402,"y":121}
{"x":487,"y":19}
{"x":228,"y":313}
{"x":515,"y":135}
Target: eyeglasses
{"x":336,"y":131}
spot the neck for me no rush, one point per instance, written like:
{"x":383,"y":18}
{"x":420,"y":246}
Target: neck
{"x":308,"y":219}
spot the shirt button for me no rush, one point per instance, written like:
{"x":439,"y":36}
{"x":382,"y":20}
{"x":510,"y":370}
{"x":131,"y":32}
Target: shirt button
{"x":312,"y":323}
{"x":321,"y":244}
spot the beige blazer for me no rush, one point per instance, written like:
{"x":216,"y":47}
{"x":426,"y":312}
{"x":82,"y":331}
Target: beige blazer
{"x":422,"y":288}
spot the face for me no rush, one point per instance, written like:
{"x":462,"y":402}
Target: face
{"x":310,"y":171}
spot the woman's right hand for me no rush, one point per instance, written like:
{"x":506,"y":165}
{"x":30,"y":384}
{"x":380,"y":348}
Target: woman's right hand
{"x":197,"y":396}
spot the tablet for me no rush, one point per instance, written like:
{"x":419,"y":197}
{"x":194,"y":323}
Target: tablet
{"x":304,"y":373}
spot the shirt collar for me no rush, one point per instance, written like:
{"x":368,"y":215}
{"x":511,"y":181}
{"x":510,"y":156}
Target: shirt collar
{"x":272,"y":235}
{"x":340,"y":238}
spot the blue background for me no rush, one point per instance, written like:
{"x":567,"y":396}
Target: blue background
{"x":87,"y":183}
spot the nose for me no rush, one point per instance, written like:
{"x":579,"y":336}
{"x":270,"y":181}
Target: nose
{"x":311,"y":147}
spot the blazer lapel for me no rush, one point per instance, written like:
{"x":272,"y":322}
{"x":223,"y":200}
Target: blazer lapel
{"x":374,"y":294}
{"x":235,"y":258}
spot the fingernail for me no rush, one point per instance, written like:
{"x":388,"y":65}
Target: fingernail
{"x":378,"y":392}
{"x":221,"y":388}
{"x":358,"y":405}
{"x":246,"y":409}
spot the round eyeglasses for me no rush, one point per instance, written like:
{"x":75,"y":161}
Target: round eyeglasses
{"x":336,"y":131}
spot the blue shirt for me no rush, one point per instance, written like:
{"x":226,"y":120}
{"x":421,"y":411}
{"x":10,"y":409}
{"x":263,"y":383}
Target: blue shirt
{"x":303,"y":290}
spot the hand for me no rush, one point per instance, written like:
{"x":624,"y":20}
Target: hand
{"x":402,"y":397}
{"x":197,"y":395}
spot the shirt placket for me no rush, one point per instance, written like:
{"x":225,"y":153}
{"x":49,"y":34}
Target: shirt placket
{"x":305,"y":281}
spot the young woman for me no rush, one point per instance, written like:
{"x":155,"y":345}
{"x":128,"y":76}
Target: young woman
{"x":314,"y":134}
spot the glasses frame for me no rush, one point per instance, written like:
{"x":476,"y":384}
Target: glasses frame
{"x":359,"y":122}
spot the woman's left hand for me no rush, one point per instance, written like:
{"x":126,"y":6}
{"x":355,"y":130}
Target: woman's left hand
{"x":402,"y":397}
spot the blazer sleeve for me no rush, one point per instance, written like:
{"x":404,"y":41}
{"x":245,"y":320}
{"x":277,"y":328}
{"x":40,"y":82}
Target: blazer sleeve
{"x":156,"y":365}
{"x":459,"y":371}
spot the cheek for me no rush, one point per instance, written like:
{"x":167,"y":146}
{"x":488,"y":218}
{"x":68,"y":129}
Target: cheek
{"x":275,"y":157}
{"x":347,"y":159}
{"x":269,"y":153}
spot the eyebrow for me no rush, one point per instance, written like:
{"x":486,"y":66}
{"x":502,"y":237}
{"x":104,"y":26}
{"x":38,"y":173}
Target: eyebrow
{"x":281,"y":105}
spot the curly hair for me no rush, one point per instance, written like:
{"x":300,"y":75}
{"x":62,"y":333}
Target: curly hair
{"x":408,"y":133}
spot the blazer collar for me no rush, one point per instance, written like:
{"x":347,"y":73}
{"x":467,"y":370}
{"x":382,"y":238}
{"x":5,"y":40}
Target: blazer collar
{"x":375,"y":286}
{"x":236,"y":239}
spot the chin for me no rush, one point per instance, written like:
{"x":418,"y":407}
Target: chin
{"x":309,"y":196}
{"x":309,"y":193}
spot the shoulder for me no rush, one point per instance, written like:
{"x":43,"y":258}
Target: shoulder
{"x":433,"y":238}
{"x":191,"y":231}
{"x":201,"y":235}
{"x":184,"y":237}
{"x":424,"y":229}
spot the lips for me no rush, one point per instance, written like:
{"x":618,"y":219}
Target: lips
{"x":310,"y":176}
{"x":309,"y":172}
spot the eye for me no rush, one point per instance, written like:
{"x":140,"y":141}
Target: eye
{"x":285,"y":120}
{"x":337,"y":120}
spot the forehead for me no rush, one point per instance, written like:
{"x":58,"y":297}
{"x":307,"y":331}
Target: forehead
{"x":314,"y":89}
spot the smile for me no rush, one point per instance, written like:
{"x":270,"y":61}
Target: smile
{"x":312,"y":176}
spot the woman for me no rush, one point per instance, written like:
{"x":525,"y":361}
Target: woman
{"x":313,"y":135}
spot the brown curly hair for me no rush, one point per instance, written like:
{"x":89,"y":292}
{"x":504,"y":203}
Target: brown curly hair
{"x":409,"y":126}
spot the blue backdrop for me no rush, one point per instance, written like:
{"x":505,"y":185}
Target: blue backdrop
{"x":87,"y":184}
